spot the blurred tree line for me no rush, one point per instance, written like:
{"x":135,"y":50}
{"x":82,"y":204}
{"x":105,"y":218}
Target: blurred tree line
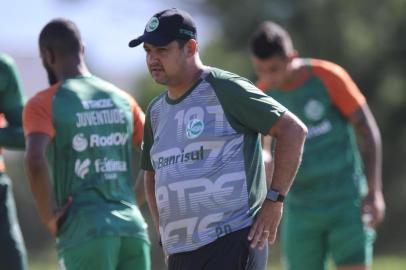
{"x":366,"y":37}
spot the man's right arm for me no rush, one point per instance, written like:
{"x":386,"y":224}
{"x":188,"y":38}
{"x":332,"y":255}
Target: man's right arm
{"x":149,"y":184}
{"x":38,"y":176}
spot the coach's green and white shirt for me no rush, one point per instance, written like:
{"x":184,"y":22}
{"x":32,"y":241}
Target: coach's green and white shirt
{"x":205,"y":150}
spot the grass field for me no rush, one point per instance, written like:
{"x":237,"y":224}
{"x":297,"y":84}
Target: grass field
{"x":49,"y":262}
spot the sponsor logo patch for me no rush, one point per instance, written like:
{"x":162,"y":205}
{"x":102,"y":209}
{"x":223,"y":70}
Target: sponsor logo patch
{"x":82,"y":168}
{"x":79,"y":142}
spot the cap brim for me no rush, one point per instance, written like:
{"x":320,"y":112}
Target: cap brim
{"x":154,"y":39}
{"x":135,"y":42}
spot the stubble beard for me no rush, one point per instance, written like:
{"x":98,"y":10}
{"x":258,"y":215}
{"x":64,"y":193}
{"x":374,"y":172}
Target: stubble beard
{"x":52,"y":79}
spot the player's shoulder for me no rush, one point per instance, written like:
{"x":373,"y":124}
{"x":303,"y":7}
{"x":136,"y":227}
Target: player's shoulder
{"x":43,"y":96}
{"x":7,"y":64}
{"x":227,"y":81}
{"x":325,"y":68}
{"x":6,"y":60}
{"x":113,"y":89}
{"x":155,"y":103}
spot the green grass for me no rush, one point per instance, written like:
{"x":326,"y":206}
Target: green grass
{"x":48,"y":261}
{"x":390,"y":262}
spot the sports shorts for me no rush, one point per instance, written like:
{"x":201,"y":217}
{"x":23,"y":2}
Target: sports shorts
{"x":107,"y":253}
{"x":230,"y":252}
{"x":310,"y":236}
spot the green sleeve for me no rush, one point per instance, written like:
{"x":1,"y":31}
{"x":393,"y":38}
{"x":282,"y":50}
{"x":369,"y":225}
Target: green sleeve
{"x":147,"y":143}
{"x":246,"y":107}
{"x":11,"y":104}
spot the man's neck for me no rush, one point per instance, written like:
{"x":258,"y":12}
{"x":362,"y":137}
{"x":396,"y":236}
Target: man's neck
{"x":296,"y":76}
{"x":191,"y":78}
{"x":70,"y":70}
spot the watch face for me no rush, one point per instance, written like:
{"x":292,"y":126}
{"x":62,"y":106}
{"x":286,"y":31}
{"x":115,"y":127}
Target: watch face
{"x":272,"y":195}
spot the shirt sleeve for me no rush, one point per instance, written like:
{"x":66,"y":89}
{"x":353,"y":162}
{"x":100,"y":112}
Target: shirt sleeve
{"x":37,"y":114}
{"x":147,"y":142}
{"x":343,"y":91}
{"x":139,"y":118}
{"x":247,"y":107}
{"x":11,"y":104}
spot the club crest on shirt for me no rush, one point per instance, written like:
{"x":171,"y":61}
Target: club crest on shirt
{"x":194,"y":128}
{"x":314,"y":110}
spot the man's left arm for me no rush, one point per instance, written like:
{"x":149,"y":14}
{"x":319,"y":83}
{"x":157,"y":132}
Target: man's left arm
{"x":290,"y":134}
{"x":369,"y":145}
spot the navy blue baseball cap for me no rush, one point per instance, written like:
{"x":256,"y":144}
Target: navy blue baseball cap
{"x":167,"y":26}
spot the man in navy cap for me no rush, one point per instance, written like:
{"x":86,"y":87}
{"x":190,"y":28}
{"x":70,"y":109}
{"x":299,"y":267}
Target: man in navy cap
{"x":205,"y":180}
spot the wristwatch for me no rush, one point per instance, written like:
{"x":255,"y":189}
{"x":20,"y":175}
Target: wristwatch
{"x":274,"y":195}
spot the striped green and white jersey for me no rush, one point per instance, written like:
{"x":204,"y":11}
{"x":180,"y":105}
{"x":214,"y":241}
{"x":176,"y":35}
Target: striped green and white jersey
{"x":205,"y":150}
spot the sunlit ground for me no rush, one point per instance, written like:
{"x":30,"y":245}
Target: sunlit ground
{"x":49,"y":262}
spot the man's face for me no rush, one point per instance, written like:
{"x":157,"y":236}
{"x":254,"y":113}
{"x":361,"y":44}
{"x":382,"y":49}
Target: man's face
{"x":273,"y":71}
{"x":165,"y":63}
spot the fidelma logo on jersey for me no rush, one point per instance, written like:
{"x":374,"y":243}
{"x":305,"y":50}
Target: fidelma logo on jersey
{"x":194,"y":128}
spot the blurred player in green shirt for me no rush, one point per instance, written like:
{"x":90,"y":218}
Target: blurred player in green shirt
{"x":339,"y":181}
{"x":12,"y":249}
{"x":80,"y":133}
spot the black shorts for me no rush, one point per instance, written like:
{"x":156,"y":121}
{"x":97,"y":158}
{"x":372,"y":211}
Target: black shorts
{"x":230,"y":252}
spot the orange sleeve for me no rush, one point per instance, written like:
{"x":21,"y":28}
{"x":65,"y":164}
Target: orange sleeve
{"x":261,"y":85}
{"x":37,"y":114}
{"x":139,"y":119}
{"x":343,"y":91}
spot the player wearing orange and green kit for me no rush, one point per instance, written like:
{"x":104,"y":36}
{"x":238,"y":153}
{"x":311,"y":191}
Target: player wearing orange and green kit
{"x":339,"y":181}
{"x":12,"y":249}
{"x":79,"y":135}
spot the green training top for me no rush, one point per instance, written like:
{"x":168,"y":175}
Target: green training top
{"x":93,"y":126}
{"x":331,"y":171}
{"x":11,"y":107}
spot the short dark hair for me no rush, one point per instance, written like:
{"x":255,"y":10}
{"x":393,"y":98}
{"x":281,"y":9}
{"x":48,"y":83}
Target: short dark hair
{"x":62,"y":36}
{"x":181,"y":42}
{"x":269,"y":40}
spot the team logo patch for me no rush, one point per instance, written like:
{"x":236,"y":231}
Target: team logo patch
{"x":194,"y":128}
{"x":82,"y":168}
{"x":152,"y":24}
{"x":314,"y":110}
{"x":79,"y":142}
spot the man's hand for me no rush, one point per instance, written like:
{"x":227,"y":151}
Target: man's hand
{"x":52,"y":223}
{"x":265,"y":227}
{"x":373,"y":209}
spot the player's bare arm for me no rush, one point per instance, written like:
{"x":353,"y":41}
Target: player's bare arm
{"x":290,"y":134}
{"x":267,"y":158}
{"x":37,"y":172}
{"x":139,"y":189}
{"x":149,"y":184}
{"x":369,"y":144}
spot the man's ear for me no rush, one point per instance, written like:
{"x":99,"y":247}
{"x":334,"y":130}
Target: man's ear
{"x":192,"y":47}
{"x":294,"y":54}
{"x":49,"y":56}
